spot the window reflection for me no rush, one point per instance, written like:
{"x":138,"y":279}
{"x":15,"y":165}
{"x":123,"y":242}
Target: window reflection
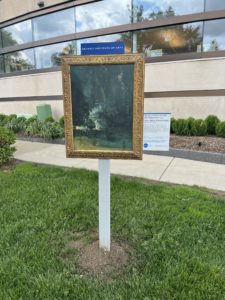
{"x":0,"y":39}
{"x":50,"y":56}
{"x":19,"y":33}
{"x":123,"y":37}
{"x":170,"y":40}
{"x":1,"y":64}
{"x":155,"y":9}
{"x":215,"y":5}
{"x":103,"y":14}
{"x":55,"y":24}
{"x":19,"y":61}
{"x":214,"y":35}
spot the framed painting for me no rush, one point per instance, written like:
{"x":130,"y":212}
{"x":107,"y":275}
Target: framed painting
{"x":103,"y":106}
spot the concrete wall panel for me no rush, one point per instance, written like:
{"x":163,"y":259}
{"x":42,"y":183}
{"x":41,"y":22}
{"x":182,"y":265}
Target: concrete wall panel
{"x":29,"y":107}
{"x":185,"y":75}
{"x":198,"y":107}
{"x":12,"y":8}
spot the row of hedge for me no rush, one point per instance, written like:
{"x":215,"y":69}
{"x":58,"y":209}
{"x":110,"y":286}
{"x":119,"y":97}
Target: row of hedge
{"x":32,"y":127}
{"x":198,"y":127}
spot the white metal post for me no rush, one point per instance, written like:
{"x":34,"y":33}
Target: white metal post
{"x":104,"y":203}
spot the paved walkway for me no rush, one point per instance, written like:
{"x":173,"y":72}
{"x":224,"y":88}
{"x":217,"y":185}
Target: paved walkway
{"x":161,"y":168}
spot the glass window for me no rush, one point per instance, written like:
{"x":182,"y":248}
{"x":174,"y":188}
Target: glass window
{"x":1,"y":64}
{"x":155,"y":9}
{"x":55,"y":24}
{"x":19,"y":33}
{"x":50,"y":56}
{"x":19,"y":61}
{"x":0,"y":39}
{"x":103,"y":14}
{"x":215,"y":4}
{"x":214,"y":35}
{"x":169,"y":40}
{"x":123,"y":37}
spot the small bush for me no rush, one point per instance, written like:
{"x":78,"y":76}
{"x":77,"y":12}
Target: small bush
{"x":181,"y":127}
{"x":211,"y":123}
{"x":49,"y":119}
{"x":7,"y":139}
{"x":51,"y":130}
{"x":220,"y":129}
{"x":33,"y":129}
{"x":16,"y":124}
{"x":61,"y":121}
{"x":31,"y":120}
{"x":3,"y":119}
{"x":199,"y":128}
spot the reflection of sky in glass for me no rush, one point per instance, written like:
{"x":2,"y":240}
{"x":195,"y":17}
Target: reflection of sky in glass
{"x":102,"y":14}
{"x":180,"y":7}
{"x":20,"y":60}
{"x":215,"y":5}
{"x":45,"y":55}
{"x":55,"y":24}
{"x":20,"y":33}
{"x":107,"y":38}
{"x":214,"y":35}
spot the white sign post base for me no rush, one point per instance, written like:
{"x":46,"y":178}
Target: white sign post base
{"x":104,"y":203}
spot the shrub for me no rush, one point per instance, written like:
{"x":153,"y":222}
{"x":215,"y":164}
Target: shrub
{"x":11,"y":117}
{"x":172,"y":125}
{"x":3,"y":119}
{"x":199,"y":128}
{"x":17,"y":124}
{"x":190,"y":121}
{"x":61,"y":121}
{"x":7,"y":139}
{"x":49,"y":119}
{"x":220,"y":129}
{"x":181,"y":127}
{"x":51,"y":130}
{"x":31,"y":120}
{"x":211,"y":123}
{"x":33,"y":129}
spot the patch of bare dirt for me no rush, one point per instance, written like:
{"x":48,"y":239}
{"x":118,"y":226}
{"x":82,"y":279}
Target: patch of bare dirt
{"x":10,"y":164}
{"x":98,"y":262}
{"x":198,"y":143}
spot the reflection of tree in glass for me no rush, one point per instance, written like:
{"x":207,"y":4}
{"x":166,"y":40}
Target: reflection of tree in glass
{"x":173,"y":39}
{"x":14,"y":61}
{"x":56,"y":57}
{"x":7,"y":38}
{"x":214,"y":46}
{"x":138,"y":14}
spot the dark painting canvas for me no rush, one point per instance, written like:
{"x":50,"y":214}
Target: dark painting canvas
{"x":102,"y":106}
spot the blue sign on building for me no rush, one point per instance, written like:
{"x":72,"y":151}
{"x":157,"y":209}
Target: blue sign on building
{"x":102,"y":48}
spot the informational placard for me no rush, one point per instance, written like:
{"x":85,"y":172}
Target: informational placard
{"x":102,"y":48}
{"x":156,"y":131}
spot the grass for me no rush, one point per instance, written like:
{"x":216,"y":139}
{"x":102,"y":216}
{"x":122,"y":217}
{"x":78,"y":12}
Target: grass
{"x":177,"y":233}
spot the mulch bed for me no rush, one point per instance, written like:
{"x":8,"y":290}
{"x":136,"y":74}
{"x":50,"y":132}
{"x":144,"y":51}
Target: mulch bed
{"x":198,"y":143}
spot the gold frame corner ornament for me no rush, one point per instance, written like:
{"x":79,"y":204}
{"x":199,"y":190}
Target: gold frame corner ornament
{"x":138,"y":104}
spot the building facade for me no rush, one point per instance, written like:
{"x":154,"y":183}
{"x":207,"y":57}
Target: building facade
{"x":183,"y":43}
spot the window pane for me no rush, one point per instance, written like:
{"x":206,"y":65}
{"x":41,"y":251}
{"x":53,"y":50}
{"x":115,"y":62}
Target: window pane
{"x":50,"y":56}
{"x":123,"y":37}
{"x":155,"y":9}
{"x":19,"y":33}
{"x":19,"y":61}
{"x":0,"y":39}
{"x":169,"y":40}
{"x":214,"y":35}
{"x":215,"y":4}
{"x":55,"y":24}
{"x":1,"y":64}
{"x":103,"y":14}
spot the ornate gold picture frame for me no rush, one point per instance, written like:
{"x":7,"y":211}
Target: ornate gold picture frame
{"x":103,"y":106}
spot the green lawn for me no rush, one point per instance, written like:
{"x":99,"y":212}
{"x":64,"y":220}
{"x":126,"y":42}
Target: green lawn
{"x":177,"y":234}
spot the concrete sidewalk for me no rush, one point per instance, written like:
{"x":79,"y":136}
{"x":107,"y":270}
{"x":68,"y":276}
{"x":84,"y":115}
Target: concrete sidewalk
{"x":161,"y":168}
